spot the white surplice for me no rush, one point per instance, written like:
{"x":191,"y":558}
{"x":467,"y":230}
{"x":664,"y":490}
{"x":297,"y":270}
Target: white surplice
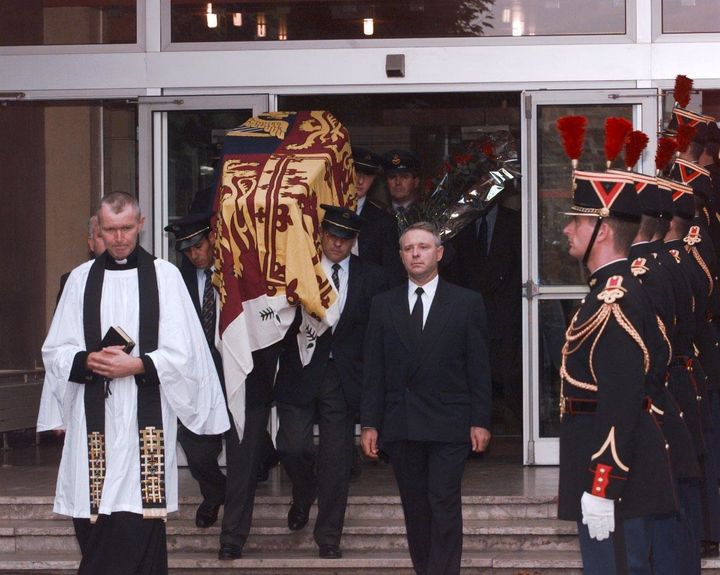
{"x":189,"y":388}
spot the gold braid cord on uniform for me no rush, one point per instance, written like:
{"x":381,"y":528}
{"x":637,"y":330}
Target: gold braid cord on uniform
{"x":576,"y":336}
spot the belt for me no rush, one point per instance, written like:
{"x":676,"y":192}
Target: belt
{"x":574,"y":406}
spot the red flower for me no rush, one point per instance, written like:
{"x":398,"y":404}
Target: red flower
{"x":462,"y":159}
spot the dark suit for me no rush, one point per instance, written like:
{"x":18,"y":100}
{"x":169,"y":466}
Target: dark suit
{"x":202,"y":451}
{"x":423,"y":396}
{"x":331,"y":385}
{"x":497,"y":277}
{"x":378,"y":242}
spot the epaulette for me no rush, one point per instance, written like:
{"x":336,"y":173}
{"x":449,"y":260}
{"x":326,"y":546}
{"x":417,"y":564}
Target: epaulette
{"x":613,"y":290}
{"x":693,"y":236}
{"x":638,"y":267}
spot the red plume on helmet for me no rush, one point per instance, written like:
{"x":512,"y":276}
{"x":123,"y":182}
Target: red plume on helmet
{"x":635,"y":143}
{"x":681,"y":91}
{"x":685,"y":135}
{"x":572,"y":134}
{"x":616,"y":130}
{"x":666,"y":148}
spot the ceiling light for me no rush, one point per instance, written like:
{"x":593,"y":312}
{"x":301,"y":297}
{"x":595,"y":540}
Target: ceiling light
{"x":211,"y":17}
{"x":237,"y":19}
{"x":368,"y":26}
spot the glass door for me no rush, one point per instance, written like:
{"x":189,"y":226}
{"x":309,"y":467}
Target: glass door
{"x":179,"y":145}
{"x":553,"y":282}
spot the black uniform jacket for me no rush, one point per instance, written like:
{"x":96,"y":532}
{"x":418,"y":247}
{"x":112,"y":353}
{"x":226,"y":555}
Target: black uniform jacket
{"x":297,"y":385}
{"x":496,"y":277}
{"x":378,"y":242}
{"x":433,"y":389}
{"x":610,"y":444}
{"x":657,"y":283}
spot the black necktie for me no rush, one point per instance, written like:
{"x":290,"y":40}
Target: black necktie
{"x":207,"y":313}
{"x":482,"y":239}
{"x":335,"y":276}
{"x":416,"y":317}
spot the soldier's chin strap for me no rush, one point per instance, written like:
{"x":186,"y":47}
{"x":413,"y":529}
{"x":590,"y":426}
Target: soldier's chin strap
{"x":591,"y":243}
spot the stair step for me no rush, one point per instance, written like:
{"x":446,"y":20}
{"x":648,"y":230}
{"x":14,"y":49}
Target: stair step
{"x":360,"y":506}
{"x":359,"y":534}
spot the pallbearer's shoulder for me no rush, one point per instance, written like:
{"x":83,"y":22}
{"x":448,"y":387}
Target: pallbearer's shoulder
{"x":459,"y":293}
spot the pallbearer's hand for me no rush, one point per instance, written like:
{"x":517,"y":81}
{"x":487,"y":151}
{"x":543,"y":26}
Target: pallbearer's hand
{"x":368,"y":442}
{"x":479,"y":438}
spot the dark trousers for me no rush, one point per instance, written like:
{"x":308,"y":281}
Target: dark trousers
{"x":244,"y":457}
{"x":202,"y":453}
{"x":429,"y":476}
{"x":122,"y":544}
{"x":330,"y":482}
{"x":606,"y":557}
{"x":242,"y":460}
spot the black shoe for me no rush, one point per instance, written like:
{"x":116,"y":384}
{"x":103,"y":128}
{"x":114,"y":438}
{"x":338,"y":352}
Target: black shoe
{"x":206,"y":515}
{"x":229,"y":551}
{"x":330,"y":552}
{"x":297,"y":517}
{"x":710,"y":549}
{"x":268,"y":463}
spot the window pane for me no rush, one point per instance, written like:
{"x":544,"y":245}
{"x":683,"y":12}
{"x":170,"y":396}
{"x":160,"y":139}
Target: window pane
{"x":58,"y":159}
{"x":62,"y":22}
{"x":194,"y":140}
{"x":339,"y":19}
{"x":690,"y":16}
{"x":555,"y":316}
{"x":554,"y":175}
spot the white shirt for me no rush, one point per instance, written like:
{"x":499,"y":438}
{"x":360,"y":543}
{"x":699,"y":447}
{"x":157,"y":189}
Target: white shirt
{"x":360,"y":205}
{"x":428,"y":295}
{"x":343,"y":275}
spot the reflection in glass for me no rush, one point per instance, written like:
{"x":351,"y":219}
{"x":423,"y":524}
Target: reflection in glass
{"x":65,"y":22}
{"x":194,"y":141}
{"x":555,"y":315}
{"x":338,"y":19}
{"x":690,"y":16}
{"x":554,"y":174}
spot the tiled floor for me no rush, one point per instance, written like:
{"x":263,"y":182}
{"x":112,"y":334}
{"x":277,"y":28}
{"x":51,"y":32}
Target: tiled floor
{"x":30,"y":470}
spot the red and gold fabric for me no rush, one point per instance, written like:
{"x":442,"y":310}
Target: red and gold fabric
{"x":275,"y":171}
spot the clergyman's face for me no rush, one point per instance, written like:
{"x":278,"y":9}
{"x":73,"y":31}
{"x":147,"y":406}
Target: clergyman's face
{"x":120,"y":231}
{"x":420,"y":255}
{"x":201,"y":254}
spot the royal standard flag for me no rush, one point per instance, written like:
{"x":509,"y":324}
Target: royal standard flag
{"x":276,"y":169}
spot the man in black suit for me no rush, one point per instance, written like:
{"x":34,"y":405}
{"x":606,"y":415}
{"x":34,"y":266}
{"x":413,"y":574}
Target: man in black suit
{"x":328,"y":388}
{"x":487,"y":258}
{"x":379,"y":241}
{"x":193,"y":239}
{"x":402,"y":173}
{"x":249,"y":461}
{"x":426,"y":396}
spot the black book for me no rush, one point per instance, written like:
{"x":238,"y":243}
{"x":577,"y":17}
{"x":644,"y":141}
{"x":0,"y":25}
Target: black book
{"x":117,"y":336}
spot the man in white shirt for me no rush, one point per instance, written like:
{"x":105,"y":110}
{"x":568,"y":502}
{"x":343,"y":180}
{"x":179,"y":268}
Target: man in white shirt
{"x":327,"y":389}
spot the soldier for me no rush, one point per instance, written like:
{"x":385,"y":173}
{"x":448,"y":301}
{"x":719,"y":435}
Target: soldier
{"x":614,"y":467}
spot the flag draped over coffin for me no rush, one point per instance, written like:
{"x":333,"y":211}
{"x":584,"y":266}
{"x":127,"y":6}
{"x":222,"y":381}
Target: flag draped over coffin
{"x":276,"y":169}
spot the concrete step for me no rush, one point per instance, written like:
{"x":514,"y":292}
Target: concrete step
{"x":306,"y":561}
{"x":44,"y":536}
{"x":359,"y":506}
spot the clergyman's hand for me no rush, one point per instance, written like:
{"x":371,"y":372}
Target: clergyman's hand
{"x":112,"y":362}
{"x":368,"y":442}
{"x":479,"y":438}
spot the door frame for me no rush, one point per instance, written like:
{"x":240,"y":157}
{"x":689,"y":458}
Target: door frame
{"x":153,"y":153}
{"x":645,"y":101}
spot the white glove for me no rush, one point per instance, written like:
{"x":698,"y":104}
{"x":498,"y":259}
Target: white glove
{"x":598,"y":514}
